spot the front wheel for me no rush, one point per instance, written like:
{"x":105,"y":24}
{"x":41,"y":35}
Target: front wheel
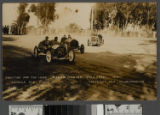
{"x":71,"y":56}
{"x":48,"y":57}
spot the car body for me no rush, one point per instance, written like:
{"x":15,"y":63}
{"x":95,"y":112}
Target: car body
{"x":95,"y":40}
{"x":59,"y":51}
{"x":56,"y":51}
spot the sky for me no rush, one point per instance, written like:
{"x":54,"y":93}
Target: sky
{"x":9,"y":13}
{"x":78,"y":13}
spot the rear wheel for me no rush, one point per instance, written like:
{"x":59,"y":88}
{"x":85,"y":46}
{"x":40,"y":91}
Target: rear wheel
{"x":36,"y":52}
{"x":48,"y":57}
{"x":71,"y":56}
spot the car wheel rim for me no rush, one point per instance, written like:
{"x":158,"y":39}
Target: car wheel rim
{"x":71,"y":56}
{"x":48,"y":57}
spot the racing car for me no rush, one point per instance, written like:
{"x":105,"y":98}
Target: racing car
{"x":58,"y":51}
{"x":55,"y":52}
{"x":96,"y":40}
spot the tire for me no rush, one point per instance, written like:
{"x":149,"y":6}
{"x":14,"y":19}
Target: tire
{"x":48,"y":57}
{"x":82,"y":49}
{"x":36,"y":52}
{"x":74,"y":44}
{"x":71,"y":56}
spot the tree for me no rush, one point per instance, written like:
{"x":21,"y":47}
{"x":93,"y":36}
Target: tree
{"x":122,"y":13}
{"x":102,"y":15}
{"x":45,"y":13}
{"x":126,"y":8}
{"x":22,"y":19}
{"x":120,"y":19}
{"x":144,"y":13}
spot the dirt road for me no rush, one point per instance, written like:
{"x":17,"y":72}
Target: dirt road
{"x":100,"y":75}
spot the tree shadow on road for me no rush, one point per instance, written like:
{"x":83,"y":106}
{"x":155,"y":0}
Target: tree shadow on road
{"x":19,"y":61}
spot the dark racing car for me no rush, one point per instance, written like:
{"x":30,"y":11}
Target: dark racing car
{"x":53,"y":50}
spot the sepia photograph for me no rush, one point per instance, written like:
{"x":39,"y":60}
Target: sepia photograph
{"x":83,"y":51}
{"x":93,"y":109}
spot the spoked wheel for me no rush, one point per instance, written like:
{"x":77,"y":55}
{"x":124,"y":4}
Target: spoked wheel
{"x":36,"y":52}
{"x":48,"y":57}
{"x":71,"y":56}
